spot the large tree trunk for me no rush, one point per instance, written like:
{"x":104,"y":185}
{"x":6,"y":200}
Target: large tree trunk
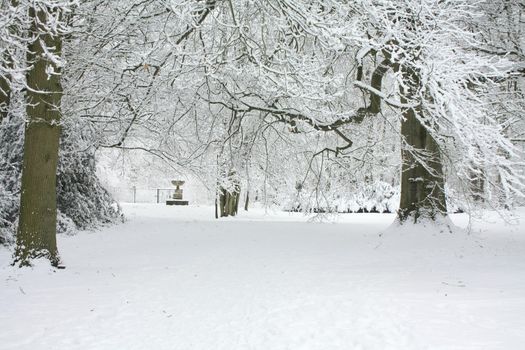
{"x":422,"y":179}
{"x":36,"y":235}
{"x":5,"y":102}
{"x":5,"y":89}
{"x":229,"y":202}
{"x":229,"y":198}
{"x":5,"y":97}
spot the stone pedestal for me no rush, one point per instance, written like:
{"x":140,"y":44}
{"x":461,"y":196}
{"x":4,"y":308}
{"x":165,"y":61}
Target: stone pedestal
{"x":176,"y":202}
{"x":177,"y":196}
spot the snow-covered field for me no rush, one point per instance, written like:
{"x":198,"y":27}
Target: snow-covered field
{"x":176,"y":278}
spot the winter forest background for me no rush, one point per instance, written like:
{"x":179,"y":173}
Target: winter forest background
{"x":412,"y":106}
{"x":355,"y":171}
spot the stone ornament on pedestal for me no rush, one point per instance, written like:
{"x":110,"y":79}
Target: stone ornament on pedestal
{"x":177,"y":196}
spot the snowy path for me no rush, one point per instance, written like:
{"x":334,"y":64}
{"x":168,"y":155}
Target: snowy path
{"x":174,"y":278}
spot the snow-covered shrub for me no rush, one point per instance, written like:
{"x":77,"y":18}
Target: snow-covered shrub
{"x":82,"y":202}
{"x":65,"y":224}
{"x":376,"y":197}
{"x":81,"y":197}
{"x":11,"y":144}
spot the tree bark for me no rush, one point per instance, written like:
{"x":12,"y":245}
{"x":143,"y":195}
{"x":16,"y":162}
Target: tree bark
{"x":36,"y":235}
{"x":229,"y":203}
{"x":5,"y":97}
{"x":246,"y":201}
{"x":229,"y":198}
{"x":422,"y":178}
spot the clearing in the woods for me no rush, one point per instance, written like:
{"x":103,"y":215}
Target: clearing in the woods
{"x":175,"y":278}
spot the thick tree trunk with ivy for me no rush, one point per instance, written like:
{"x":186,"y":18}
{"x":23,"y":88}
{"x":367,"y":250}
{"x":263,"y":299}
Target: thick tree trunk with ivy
{"x":36,"y":236}
{"x":229,"y":197}
{"x":229,"y":202}
{"x":422,"y":179}
{"x":5,"y":97}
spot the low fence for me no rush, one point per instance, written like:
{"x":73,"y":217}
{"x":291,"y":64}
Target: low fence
{"x":141,"y":195}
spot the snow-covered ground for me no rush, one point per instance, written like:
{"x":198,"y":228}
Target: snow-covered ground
{"x":176,"y":278}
